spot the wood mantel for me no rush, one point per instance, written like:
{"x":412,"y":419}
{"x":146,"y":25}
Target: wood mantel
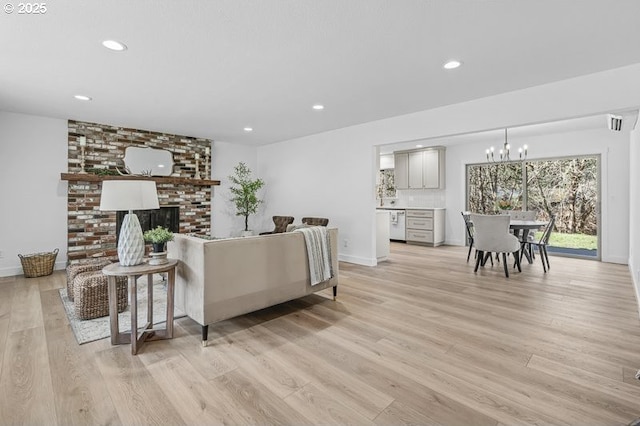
{"x":88,"y":177}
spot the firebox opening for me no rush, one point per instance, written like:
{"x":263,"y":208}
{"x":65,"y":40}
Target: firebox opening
{"x":166,"y":216}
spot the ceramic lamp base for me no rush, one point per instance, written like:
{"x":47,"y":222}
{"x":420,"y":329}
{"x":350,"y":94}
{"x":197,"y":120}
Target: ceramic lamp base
{"x":131,"y":241}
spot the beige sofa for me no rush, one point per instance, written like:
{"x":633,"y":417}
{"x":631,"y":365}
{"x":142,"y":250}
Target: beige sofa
{"x":221,"y":279}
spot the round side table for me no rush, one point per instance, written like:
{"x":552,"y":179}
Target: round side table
{"x":148,"y":333}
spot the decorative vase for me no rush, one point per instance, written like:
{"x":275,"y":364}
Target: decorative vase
{"x":158,"y":255}
{"x":131,"y":242}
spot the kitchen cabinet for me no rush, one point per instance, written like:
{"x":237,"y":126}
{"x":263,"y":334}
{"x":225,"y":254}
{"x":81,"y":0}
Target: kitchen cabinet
{"x":425,"y":226}
{"x":420,"y":169}
{"x":401,"y":170}
{"x":432,"y":169}
{"x":415,"y":170}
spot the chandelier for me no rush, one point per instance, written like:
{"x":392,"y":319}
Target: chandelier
{"x":505,"y":152}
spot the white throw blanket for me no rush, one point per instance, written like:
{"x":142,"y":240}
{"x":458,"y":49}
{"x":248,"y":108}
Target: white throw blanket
{"x":317,"y":241}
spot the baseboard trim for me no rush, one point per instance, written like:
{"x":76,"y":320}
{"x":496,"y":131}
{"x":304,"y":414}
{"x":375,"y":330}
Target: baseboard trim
{"x":616,"y":259}
{"x":635,"y":281}
{"x":364,"y":261}
{"x":12,"y":271}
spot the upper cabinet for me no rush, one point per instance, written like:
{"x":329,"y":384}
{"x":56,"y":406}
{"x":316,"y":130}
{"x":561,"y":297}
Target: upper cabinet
{"x":401,"y":170}
{"x":420,"y":169}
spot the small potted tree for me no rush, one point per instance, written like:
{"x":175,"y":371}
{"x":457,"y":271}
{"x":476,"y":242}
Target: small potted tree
{"x":244,"y":194}
{"x":158,"y":238}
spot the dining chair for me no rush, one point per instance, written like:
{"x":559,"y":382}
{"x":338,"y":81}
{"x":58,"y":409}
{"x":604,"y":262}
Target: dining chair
{"x":491,"y":235}
{"x":542,"y":244}
{"x":469,"y":227}
{"x":525,"y":215}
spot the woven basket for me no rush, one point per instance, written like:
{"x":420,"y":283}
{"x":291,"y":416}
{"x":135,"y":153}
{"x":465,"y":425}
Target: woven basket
{"x":38,"y":264}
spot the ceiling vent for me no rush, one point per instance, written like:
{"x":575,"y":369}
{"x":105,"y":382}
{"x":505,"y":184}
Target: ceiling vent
{"x":614,"y":122}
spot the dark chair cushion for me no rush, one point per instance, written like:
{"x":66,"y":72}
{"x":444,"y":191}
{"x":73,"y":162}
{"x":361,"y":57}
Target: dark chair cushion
{"x":315,"y":221}
{"x":281,"y":223}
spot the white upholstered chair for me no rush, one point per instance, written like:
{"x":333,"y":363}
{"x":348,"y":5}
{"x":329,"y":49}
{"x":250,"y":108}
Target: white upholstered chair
{"x":491,"y":235}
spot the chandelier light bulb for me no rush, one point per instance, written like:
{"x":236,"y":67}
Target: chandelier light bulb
{"x":505,"y":151}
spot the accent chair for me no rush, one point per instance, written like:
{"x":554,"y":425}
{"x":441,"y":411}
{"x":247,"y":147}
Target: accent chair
{"x":315,"y":221}
{"x":281,"y":223}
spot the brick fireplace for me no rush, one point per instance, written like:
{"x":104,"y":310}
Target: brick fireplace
{"x":92,"y":233}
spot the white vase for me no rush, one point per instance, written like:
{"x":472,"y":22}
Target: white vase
{"x":131,"y":242}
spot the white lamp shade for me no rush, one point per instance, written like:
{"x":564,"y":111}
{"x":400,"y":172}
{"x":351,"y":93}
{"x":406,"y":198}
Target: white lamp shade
{"x":129,"y":195}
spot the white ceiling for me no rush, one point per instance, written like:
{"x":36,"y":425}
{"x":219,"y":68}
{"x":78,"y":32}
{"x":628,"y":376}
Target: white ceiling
{"x":496,"y":136}
{"x":209,"y":68}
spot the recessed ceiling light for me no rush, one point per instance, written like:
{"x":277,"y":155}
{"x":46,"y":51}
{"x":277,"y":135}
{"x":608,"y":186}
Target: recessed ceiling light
{"x":114,"y":45}
{"x":82,"y":97}
{"x":452,"y":65}
{"x":418,"y":146}
{"x":248,"y":129}
{"x":318,"y":107}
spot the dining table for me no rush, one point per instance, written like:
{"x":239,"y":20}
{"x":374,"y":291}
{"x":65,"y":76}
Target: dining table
{"x":521,"y":229}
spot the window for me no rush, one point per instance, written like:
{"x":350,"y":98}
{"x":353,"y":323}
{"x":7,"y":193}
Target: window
{"x":565,"y":187}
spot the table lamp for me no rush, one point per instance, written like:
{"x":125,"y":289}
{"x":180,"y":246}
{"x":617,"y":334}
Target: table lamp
{"x":129,"y":195}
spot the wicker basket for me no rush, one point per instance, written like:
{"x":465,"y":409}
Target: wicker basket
{"x":38,"y":264}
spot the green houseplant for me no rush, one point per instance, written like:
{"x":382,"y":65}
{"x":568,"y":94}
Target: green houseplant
{"x":244,"y":193}
{"x":158,"y":237}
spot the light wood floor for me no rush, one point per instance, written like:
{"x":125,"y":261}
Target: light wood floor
{"x":420,"y":339}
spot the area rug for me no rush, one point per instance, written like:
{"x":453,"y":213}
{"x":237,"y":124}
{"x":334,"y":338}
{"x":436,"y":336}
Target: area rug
{"x":99,"y":328}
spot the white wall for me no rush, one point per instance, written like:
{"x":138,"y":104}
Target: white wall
{"x":224,"y":157}
{"x":328,"y":175}
{"x":33,"y":206}
{"x":634,"y":210}
{"x":613,"y":148}
{"x":334,"y":173}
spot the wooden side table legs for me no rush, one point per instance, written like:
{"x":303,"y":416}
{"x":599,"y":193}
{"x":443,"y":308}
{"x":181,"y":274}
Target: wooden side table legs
{"x":148,"y":332}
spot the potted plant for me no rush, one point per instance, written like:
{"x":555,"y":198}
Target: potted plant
{"x":244,"y":193}
{"x":158,"y":238}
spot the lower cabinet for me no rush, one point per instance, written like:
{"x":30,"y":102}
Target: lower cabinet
{"x":425,"y":226}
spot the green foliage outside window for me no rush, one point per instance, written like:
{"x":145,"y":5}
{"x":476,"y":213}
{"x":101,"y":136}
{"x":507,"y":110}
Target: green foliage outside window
{"x":566,"y":188}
